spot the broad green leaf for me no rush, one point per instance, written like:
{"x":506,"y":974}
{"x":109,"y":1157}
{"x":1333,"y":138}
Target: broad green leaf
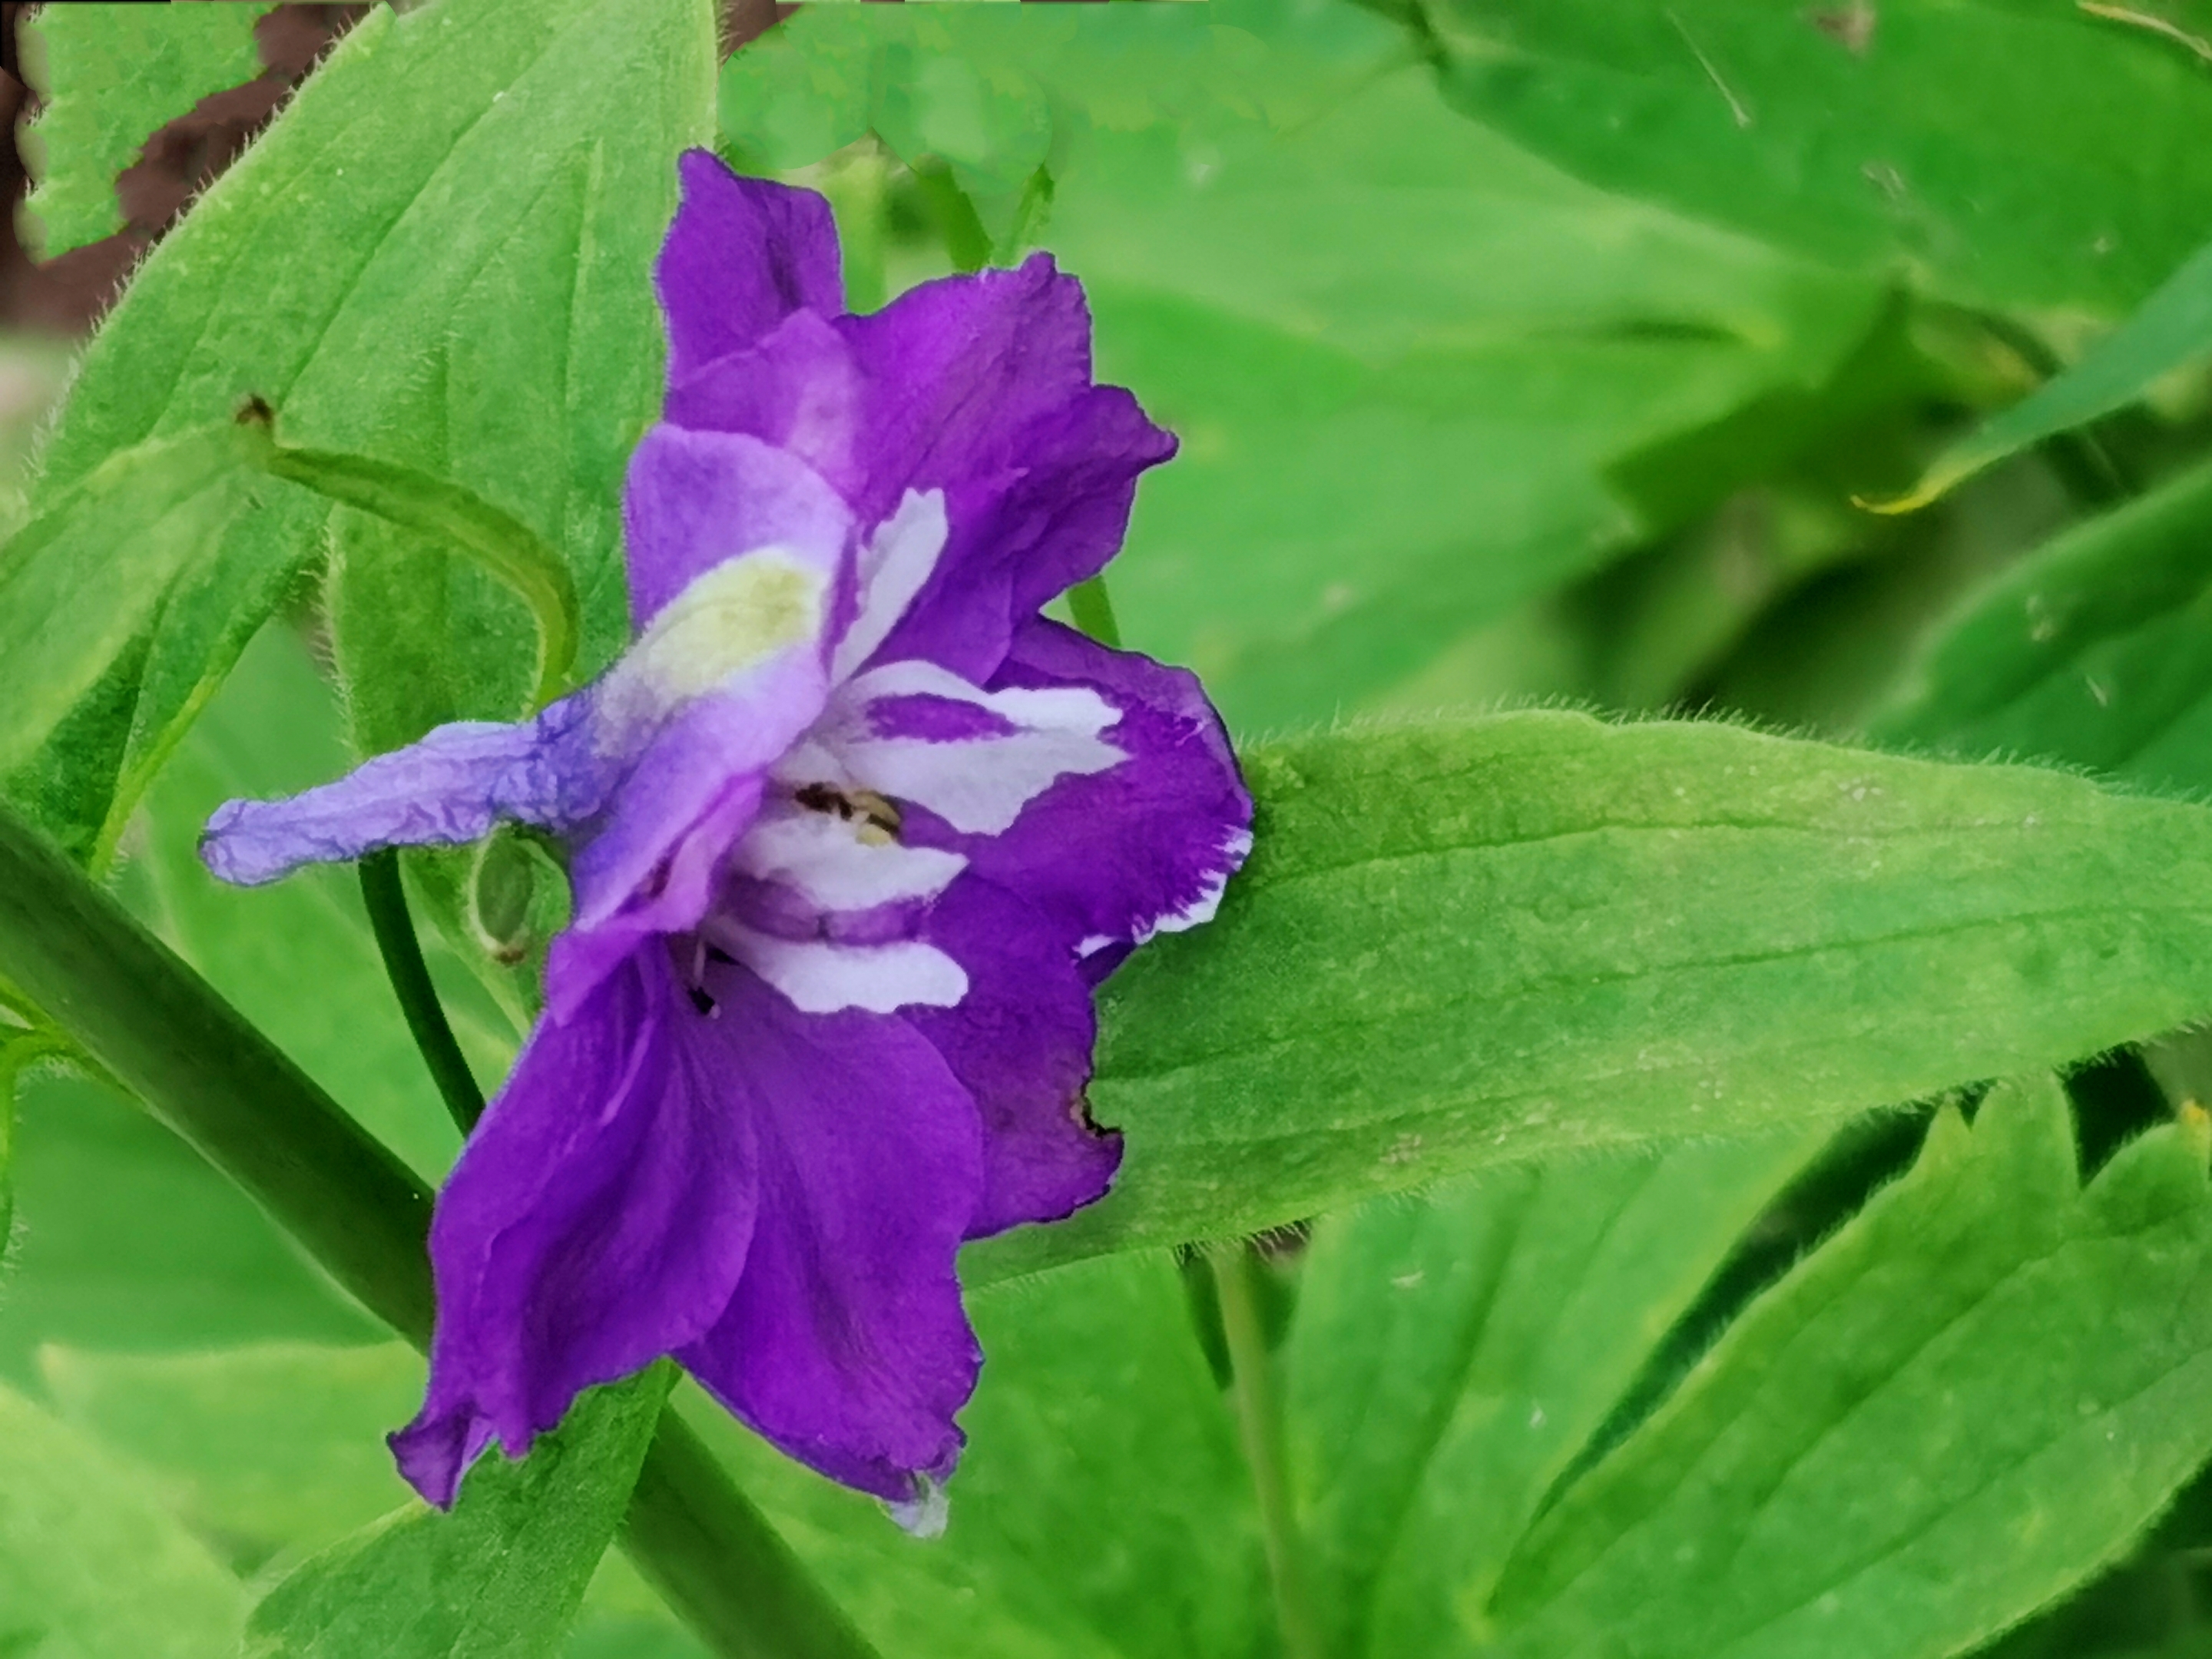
{"x":1393,"y":431}
{"x":500,"y":1576}
{"x":91,"y":1565}
{"x":1487,"y":940}
{"x":474,"y":302}
{"x":2172,"y":330}
{"x":129,"y":1241}
{"x":1447,"y":1360}
{"x":110,"y":76}
{"x":1973,"y":1395}
{"x":2091,"y":650}
{"x":274,"y":1446}
{"x":120,"y":604}
{"x":296,"y":957}
{"x":1102,"y":1507}
{"x":1992,"y":153}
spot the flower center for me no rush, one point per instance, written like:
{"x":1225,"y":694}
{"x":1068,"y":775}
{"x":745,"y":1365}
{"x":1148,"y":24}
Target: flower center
{"x":875,"y":820}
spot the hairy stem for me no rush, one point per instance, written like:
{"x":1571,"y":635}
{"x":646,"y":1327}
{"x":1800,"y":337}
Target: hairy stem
{"x":385,"y":896}
{"x":208,"y":1073}
{"x":1259,"y":1419}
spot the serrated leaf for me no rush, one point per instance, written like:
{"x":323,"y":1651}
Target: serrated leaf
{"x":500,"y":1576}
{"x":1481,"y":941}
{"x":69,"y":1514}
{"x":1968,"y":1400}
{"x":1447,"y":1360}
{"x":1991,"y":153}
{"x":474,"y":303}
{"x":122,"y":604}
{"x":2091,"y":650}
{"x":110,"y":76}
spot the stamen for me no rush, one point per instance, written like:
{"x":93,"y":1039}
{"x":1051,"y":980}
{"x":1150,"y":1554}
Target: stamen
{"x":877,"y":819}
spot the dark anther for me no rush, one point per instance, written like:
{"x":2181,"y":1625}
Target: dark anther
{"x":255,"y":411}
{"x":700,"y":1000}
{"x":877,"y":818}
{"x":716,"y":953}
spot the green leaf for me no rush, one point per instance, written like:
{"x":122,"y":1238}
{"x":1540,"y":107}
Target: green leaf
{"x":130,"y":1241}
{"x":1482,"y":941}
{"x":1386,"y":440}
{"x":1447,"y":1360}
{"x":1991,"y":153}
{"x":110,"y":76}
{"x":2172,"y":330}
{"x":500,"y":1576}
{"x":90,"y":1565}
{"x":274,"y":1446}
{"x":1102,"y":1507}
{"x":1972,"y":1396}
{"x":474,"y":303}
{"x":2091,"y":650}
{"x":121,"y":606}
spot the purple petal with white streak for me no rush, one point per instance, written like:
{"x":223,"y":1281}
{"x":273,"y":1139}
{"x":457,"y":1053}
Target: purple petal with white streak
{"x":1113,"y":857}
{"x":846,"y":1344}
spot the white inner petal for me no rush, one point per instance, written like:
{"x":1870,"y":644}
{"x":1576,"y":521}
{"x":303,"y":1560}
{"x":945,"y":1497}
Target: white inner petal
{"x":893,"y":566}
{"x":978,"y":785}
{"x":823,"y":978}
{"x":826,"y":860}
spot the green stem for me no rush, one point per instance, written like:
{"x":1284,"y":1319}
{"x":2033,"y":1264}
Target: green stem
{"x":212,"y":1077}
{"x":716,"y":1560}
{"x":1094,"y":612}
{"x":385,"y":896}
{"x":1259,"y":1419}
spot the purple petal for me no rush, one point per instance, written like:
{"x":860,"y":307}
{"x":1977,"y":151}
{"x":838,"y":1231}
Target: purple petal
{"x":797,"y":390}
{"x":846,"y":1344}
{"x":449,"y":788}
{"x":599,"y":1218}
{"x":1020,"y":1042}
{"x":741,"y":255}
{"x":1148,"y":846}
{"x":980,"y":386}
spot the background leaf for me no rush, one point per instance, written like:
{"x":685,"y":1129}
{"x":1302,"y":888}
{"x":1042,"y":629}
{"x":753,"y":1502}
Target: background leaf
{"x":1379,"y":454}
{"x":110,"y":76}
{"x":2091,"y":650}
{"x":69,"y":1514}
{"x":1979,"y":1391}
{"x":1478,"y":941}
{"x":1994,"y":154}
{"x":1448,"y":1359}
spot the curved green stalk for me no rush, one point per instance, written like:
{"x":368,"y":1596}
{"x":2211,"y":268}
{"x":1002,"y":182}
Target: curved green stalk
{"x":385,"y":896}
{"x":445,"y":513}
{"x":208,"y":1073}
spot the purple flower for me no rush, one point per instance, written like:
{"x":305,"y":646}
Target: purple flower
{"x":853,"y":831}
